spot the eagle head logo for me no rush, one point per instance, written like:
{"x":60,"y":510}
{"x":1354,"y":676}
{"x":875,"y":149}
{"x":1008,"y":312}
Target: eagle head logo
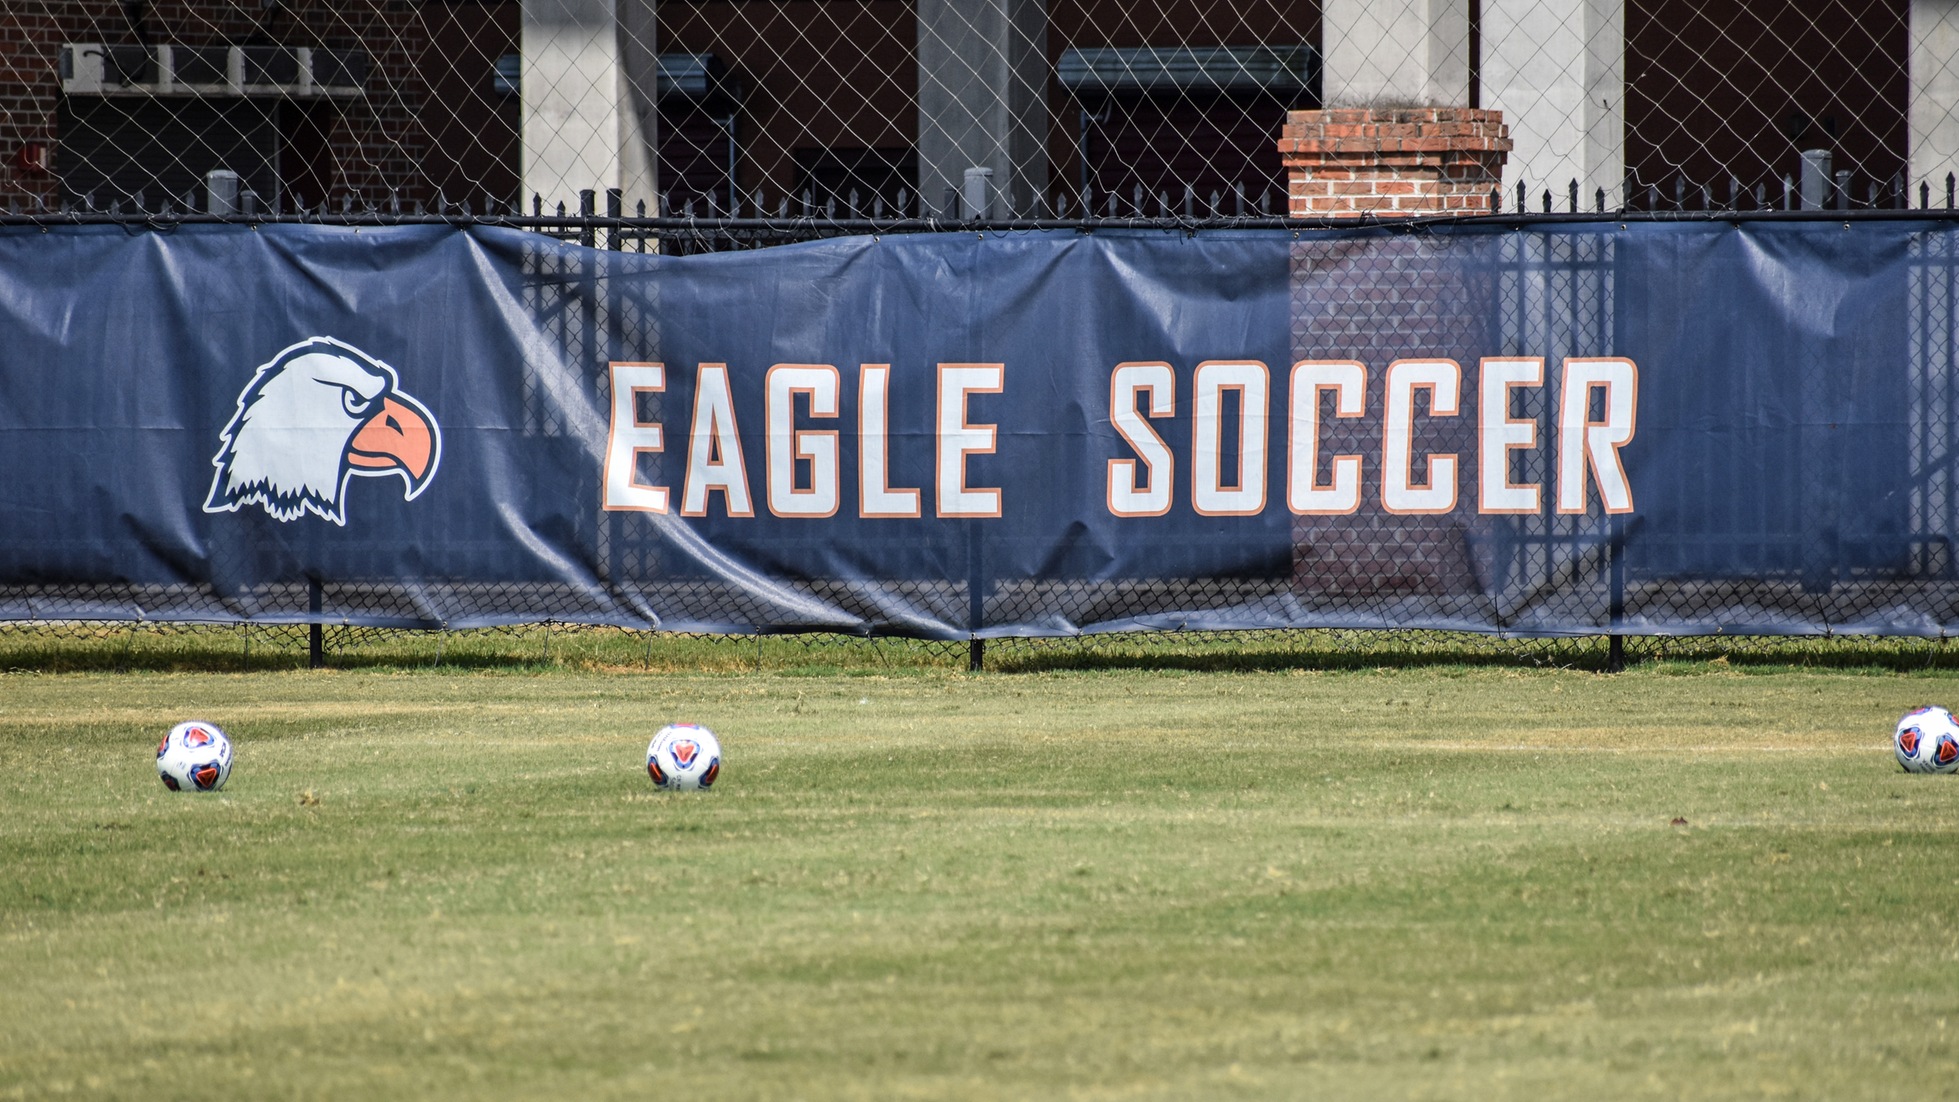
{"x":318,"y":414}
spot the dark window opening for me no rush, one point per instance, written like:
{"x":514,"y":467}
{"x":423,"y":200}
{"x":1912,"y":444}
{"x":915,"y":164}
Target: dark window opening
{"x":890,"y":174}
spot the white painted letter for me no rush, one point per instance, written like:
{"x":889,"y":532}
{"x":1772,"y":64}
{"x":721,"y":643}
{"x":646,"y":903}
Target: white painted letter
{"x":1584,"y":442}
{"x":876,"y":497}
{"x":1311,"y":379}
{"x":1503,"y":434}
{"x":1148,"y":496}
{"x":1245,"y":496}
{"x":1400,"y":493}
{"x":788,"y":446}
{"x":629,"y":436}
{"x":714,"y":460}
{"x":959,"y":439}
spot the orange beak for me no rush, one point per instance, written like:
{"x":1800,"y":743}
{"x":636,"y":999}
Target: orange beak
{"x":397,"y":437}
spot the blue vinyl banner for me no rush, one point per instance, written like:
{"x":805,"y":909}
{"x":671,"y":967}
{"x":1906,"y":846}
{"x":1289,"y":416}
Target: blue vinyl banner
{"x":1540,"y":429}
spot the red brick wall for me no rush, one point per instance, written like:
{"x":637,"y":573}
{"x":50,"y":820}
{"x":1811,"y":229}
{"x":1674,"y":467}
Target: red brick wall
{"x":364,"y":145}
{"x":30,"y":37}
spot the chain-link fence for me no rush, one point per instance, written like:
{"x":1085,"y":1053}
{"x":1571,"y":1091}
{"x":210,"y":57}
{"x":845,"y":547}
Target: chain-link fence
{"x":713,"y":125}
{"x":805,"y":113}
{"x":1806,"y":562}
{"x":1862,"y":546}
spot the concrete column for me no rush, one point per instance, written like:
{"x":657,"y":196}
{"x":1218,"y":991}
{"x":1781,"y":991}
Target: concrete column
{"x":1395,"y":53}
{"x":590,"y":93}
{"x":1934,"y":93}
{"x":982,"y":99}
{"x":1557,"y":71}
{"x":638,"y":41}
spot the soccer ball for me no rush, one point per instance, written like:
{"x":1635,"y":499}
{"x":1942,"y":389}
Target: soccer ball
{"x":1927,"y":741}
{"x":683,"y":756}
{"x":194,"y":757}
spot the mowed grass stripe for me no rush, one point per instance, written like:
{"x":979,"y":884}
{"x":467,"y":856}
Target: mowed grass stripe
{"x":1428,"y":883}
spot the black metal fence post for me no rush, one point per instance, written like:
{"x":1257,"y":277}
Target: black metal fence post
{"x":975,"y":599}
{"x":315,"y":631}
{"x":1615,"y":644}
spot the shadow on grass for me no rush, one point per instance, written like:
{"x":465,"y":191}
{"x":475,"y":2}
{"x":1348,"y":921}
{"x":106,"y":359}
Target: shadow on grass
{"x":539,"y":648}
{"x":1282,"y":661}
{"x":544,"y":648}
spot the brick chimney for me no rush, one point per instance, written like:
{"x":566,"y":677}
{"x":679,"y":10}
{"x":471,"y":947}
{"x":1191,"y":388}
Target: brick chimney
{"x":1348,"y":161}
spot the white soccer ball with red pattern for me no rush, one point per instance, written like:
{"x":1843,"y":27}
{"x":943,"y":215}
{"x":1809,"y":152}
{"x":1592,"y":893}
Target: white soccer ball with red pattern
{"x":1927,"y":741}
{"x":194,"y":757}
{"x":683,"y":756}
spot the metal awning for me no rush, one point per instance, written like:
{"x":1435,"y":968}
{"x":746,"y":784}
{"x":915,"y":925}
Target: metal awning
{"x":1104,"y":70}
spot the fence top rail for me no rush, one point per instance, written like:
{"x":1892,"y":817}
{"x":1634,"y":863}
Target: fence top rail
{"x":805,"y":228}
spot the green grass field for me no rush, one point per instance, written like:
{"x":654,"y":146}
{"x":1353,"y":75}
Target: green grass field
{"x":1438,"y":882}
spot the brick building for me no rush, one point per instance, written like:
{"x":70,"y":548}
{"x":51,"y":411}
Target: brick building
{"x":305,"y":100}
{"x":310,"y":100}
